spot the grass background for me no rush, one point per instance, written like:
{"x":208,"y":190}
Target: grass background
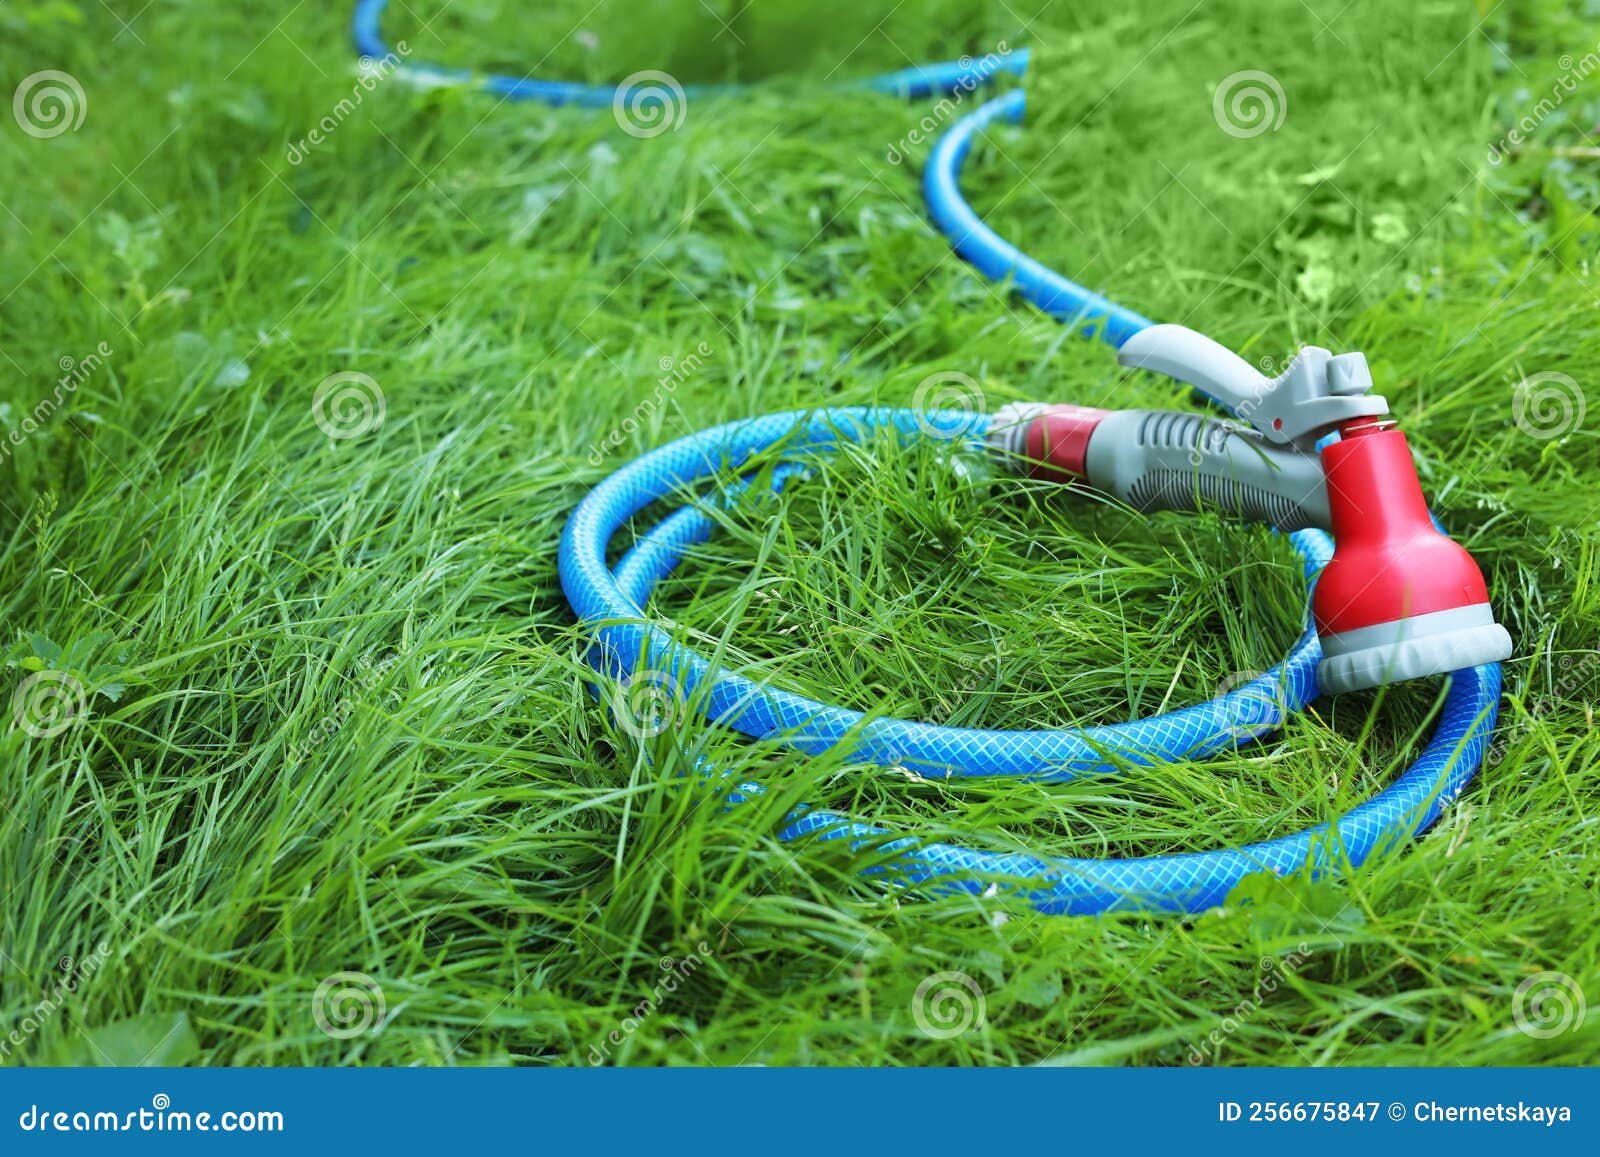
{"x":334,"y":713}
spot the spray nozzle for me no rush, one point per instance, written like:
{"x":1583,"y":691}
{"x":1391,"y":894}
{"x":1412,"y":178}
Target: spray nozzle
{"x":1398,"y":601}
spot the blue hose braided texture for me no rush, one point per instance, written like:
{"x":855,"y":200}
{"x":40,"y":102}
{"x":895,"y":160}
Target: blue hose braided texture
{"x":1066,"y":301}
{"x":612,"y":604}
{"x":954,"y":76}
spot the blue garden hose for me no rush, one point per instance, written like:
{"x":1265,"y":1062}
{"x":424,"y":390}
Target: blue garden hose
{"x":963,"y":75}
{"x":611,"y":602}
{"x":994,"y":257}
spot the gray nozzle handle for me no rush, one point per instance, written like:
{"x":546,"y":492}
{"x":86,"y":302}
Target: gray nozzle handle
{"x":1318,"y":391}
{"x":1165,"y":460}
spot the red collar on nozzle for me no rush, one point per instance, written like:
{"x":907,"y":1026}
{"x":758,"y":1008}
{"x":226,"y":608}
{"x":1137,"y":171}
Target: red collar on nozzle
{"x":1399,"y":600}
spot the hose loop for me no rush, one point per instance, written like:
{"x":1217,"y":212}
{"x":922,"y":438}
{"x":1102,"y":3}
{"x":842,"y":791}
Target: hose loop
{"x":611,"y":603}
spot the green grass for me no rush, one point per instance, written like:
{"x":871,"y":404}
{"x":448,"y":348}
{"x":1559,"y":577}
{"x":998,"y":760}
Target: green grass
{"x":334,"y":716}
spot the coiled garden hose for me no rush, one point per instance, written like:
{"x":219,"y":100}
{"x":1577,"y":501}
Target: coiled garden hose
{"x":611,"y":601}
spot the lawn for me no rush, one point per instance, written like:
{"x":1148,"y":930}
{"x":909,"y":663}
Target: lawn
{"x":299,"y":765}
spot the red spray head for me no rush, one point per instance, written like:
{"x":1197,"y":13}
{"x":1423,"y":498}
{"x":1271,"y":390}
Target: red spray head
{"x":1399,"y":600}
